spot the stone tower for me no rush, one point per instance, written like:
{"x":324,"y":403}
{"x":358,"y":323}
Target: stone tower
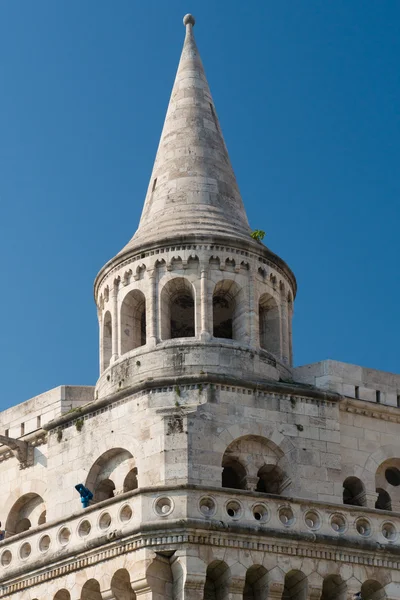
{"x":217,"y":470}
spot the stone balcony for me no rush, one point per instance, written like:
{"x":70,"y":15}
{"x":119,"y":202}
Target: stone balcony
{"x":164,"y":516}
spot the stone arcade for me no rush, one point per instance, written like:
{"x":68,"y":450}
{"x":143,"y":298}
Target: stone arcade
{"x":218,"y":470}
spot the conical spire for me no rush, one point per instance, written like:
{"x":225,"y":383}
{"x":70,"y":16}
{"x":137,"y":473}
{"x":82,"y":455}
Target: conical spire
{"x":192,"y":189}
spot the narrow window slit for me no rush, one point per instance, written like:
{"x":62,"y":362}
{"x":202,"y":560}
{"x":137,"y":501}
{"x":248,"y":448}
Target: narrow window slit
{"x":356,"y":391}
{"x":378,"y":397}
{"x":154,"y":184}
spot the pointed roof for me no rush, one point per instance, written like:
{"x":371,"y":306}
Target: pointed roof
{"x":192,"y":189}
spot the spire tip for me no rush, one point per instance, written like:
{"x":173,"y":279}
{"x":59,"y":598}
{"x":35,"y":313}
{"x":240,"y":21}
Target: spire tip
{"x":189,"y":20}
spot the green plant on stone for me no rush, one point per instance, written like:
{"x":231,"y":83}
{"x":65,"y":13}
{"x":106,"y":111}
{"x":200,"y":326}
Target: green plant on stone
{"x":258,"y":235}
{"x":79,"y":424}
{"x":178,"y":391}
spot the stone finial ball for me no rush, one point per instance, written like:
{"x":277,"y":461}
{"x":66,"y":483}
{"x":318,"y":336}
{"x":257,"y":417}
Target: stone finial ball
{"x":189,"y":20}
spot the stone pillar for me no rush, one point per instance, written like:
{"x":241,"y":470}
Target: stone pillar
{"x":189,"y":575}
{"x":253,"y":333}
{"x":115,"y":323}
{"x":368,"y":498}
{"x":107,"y":595}
{"x":204,"y":309}
{"x":284,"y":328}
{"x":236,"y":588}
{"x":314,"y":593}
{"x":151,"y":316}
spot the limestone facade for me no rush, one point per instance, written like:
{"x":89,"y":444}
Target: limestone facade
{"x":218,"y":470}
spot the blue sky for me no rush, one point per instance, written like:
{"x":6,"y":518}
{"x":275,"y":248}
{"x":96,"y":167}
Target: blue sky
{"x":308,"y":95}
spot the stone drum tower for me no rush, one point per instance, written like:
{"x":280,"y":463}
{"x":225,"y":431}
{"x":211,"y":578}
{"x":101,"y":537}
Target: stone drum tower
{"x":209,"y":467}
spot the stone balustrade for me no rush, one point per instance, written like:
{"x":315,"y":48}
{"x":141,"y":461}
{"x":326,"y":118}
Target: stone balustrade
{"x":147,"y":511}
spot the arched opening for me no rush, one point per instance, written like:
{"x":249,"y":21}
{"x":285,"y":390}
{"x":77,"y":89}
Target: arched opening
{"x":109,"y":474}
{"x":334,"y":588}
{"x":269,"y":324}
{"x":383,"y":502}
{"x":177,"y":309}
{"x":107,"y":339}
{"x":25,"y":513}
{"x":91,"y":591}
{"x":62,"y":595}
{"x":131,"y":482}
{"x":121,"y":586}
{"x":272,"y":480}
{"x":133,"y":321}
{"x":159,"y":578}
{"x":229,"y":311}
{"x":256,"y":584}
{"x":104,"y":490}
{"x":296,"y":586}
{"x":217,"y":582}
{"x":354,"y":492}
{"x":372,"y":590}
{"x":233,"y":474}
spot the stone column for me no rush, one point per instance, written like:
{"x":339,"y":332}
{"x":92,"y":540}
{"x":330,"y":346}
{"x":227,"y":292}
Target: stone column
{"x":189,"y":575}
{"x":107,"y":595}
{"x":284,"y":328}
{"x":115,"y":328}
{"x":204,"y":309}
{"x":253,"y":334}
{"x":314,"y":593}
{"x":151,"y":313}
{"x":368,"y":498}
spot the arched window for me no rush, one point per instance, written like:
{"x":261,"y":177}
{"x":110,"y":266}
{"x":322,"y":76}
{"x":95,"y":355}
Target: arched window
{"x":133,"y":321}
{"x":296,"y":586}
{"x":217,"y":581}
{"x":354,"y":492}
{"x":121,"y":585}
{"x":233,"y":474}
{"x":372,"y":590}
{"x":269,"y":324}
{"x":62,"y":595}
{"x":383,"y":501}
{"x":91,"y":591}
{"x":256,"y":584}
{"x":334,"y":588}
{"x":229,"y":311}
{"x":177,"y":309}
{"x":111,"y":472}
{"x":272,"y":480}
{"x":131,"y":482}
{"x":107,"y":339}
{"x":25,"y":513}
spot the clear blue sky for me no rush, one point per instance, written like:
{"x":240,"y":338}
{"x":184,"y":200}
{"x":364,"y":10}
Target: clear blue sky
{"x":308,"y":94}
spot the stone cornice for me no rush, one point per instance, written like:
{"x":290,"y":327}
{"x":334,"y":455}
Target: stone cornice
{"x":252,"y":248}
{"x":370,"y":409}
{"x":273,"y":387}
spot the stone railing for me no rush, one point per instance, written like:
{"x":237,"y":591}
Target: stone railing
{"x":149,"y":511}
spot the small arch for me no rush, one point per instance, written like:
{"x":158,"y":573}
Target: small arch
{"x":269,"y":324}
{"x":334,"y":588}
{"x":215,"y":262}
{"x":296,"y":586}
{"x":354,"y":492}
{"x":131,"y":481}
{"x":177,"y":309}
{"x":233,"y":474}
{"x":62,"y":595}
{"x":217,"y":582}
{"x":372,"y":590}
{"x":230,"y":264}
{"x":108,"y":473}
{"x":107,"y":339}
{"x":384,"y":501}
{"x":229,"y":311}
{"x":133,"y":321}
{"x":121,"y":586}
{"x":256,"y":583}
{"x":91,"y":590}
{"x":159,"y":577}
{"x":24,"y":514}
{"x":271,"y":480}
